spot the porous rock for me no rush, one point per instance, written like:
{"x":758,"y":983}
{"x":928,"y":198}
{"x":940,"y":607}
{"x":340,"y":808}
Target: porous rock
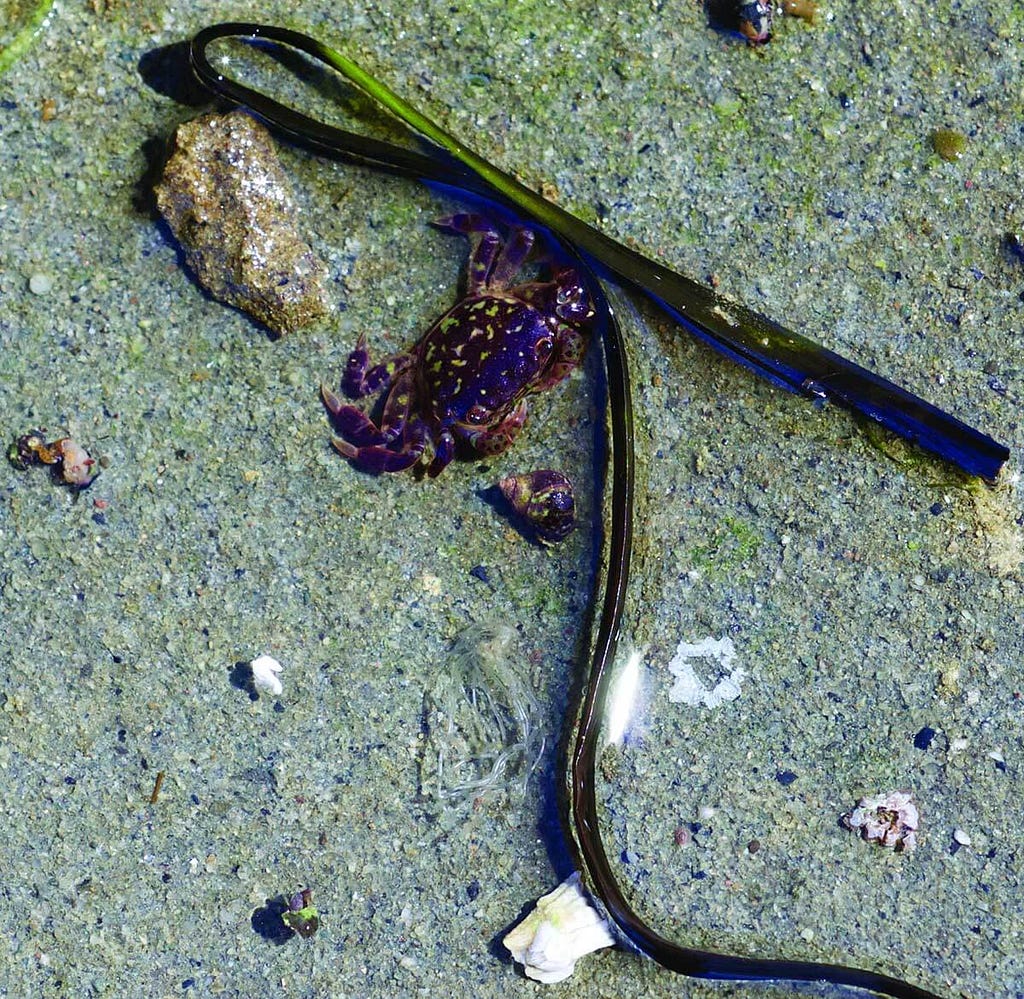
{"x":228,"y":202}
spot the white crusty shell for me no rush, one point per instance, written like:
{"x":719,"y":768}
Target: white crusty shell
{"x":264,"y":674}
{"x":552,"y":938}
{"x":887,"y":819}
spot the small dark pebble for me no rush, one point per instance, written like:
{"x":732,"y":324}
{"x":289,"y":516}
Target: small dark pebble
{"x":935,"y":509}
{"x":480,"y":572}
{"x":785,"y":777}
{"x":473,"y":890}
{"x":99,"y":518}
{"x":753,"y":846}
{"x":923,"y":739}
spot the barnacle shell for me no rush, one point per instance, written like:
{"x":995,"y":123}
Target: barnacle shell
{"x":76,"y":465}
{"x":552,"y":938}
{"x":886,"y":819}
{"x":545,"y":498}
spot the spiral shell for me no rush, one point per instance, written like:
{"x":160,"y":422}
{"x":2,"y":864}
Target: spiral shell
{"x":545,"y":499}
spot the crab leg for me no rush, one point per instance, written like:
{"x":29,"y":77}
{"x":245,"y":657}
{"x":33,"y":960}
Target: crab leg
{"x":513,"y":255}
{"x":570,"y":350}
{"x":377,"y":458}
{"x":360,"y":379}
{"x":354,"y":426}
{"x":492,"y":262}
{"x":484,"y":243}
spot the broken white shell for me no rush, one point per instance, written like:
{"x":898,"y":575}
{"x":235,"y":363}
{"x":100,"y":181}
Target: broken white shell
{"x":264,"y":674}
{"x":552,"y":938}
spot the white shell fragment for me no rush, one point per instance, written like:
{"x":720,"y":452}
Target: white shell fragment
{"x":886,"y":819}
{"x":264,"y":674}
{"x":552,"y":938}
{"x":690,"y":689}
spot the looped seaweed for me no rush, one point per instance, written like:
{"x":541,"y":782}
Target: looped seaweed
{"x":786,"y":358}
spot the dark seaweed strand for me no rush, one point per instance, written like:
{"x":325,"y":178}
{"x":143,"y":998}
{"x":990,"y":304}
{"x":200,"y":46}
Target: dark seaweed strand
{"x":785,"y":357}
{"x":585,"y":827}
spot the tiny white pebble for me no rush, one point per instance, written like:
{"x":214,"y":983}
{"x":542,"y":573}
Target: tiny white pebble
{"x":807,"y":934}
{"x":40,"y":284}
{"x":962,"y":837}
{"x":264,"y":674}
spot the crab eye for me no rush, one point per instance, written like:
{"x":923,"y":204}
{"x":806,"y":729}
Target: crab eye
{"x":568,"y":294}
{"x":543,"y":347}
{"x":477,"y":414}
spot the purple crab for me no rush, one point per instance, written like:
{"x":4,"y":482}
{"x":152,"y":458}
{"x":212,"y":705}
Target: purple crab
{"x":467,"y":378}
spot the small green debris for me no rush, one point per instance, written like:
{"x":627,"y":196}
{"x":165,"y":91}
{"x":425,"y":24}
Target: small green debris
{"x":302,"y":916}
{"x":949,"y":144}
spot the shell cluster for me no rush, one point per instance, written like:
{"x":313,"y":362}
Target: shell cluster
{"x":77,"y":468}
{"x":754,"y":17}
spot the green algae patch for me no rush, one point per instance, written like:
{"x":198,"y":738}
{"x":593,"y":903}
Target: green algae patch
{"x":23,"y":20}
{"x":949,"y":144}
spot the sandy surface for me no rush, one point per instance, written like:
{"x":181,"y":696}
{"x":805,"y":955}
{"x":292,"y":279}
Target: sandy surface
{"x":873,"y":597}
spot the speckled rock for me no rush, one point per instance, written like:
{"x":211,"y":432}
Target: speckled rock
{"x":229,"y":203}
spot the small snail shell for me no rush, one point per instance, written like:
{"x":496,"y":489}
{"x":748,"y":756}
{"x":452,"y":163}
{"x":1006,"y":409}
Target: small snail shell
{"x":545,"y":499}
